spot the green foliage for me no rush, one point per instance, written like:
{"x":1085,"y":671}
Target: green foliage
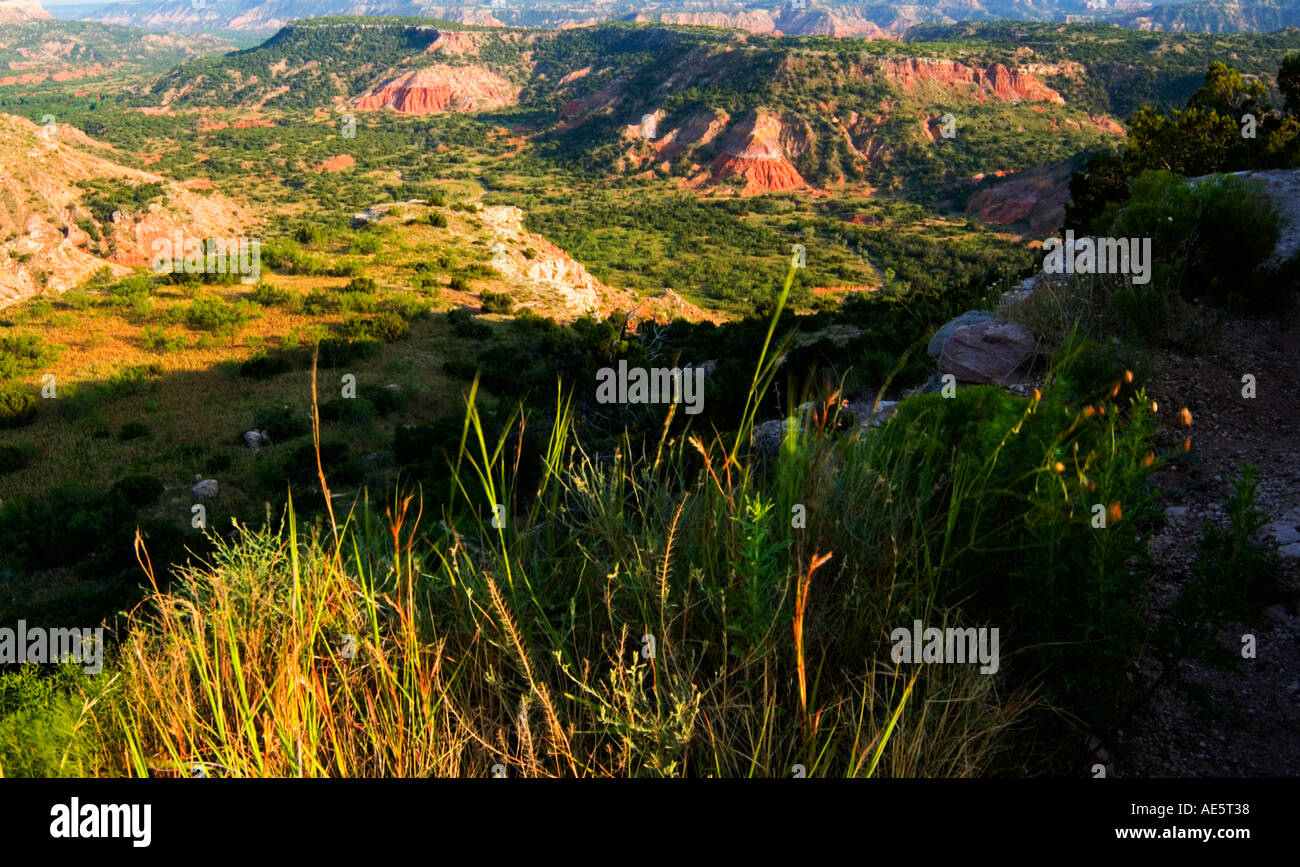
{"x":133,"y":430}
{"x":17,"y":406}
{"x":341,"y":352}
{"x":264,"y":365}
{"x":1205,"y":138}
{"x":281,"y":423}
{"x":105,"y":195}
{"x":218,"y":316}
{"x":43,"y":724}
{"x":463,"y":321}
{"x":13,"y":459}
{"x":497,"y":302}
{"x":1231,"y":575}
{"x":138,"y":490}
{"x":269,"y":296}
{"x":1208,"y":238}
{"x":21,"y":354}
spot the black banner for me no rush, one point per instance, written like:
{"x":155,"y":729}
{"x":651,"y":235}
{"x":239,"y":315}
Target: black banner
{"x":331,"y":818}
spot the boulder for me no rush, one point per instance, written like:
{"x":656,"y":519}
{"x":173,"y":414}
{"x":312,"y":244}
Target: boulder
{"x":205,"y":489}
{"x":255,"y":439}
{"x":988,"y":352}
{"x":970,"y":317}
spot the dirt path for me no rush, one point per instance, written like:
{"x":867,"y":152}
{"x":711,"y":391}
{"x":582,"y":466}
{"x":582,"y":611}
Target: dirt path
{"x":1251,"y":726}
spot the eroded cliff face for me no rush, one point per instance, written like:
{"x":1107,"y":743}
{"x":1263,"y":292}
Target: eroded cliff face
{"x":440,"y":88}
{"x":787,"y":21}
{"x":755,"y":151}
{"x":994,"y":81}
{"x":44,"y":243}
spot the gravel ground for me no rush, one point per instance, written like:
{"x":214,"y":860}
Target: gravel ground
{"x":1251,"y":727}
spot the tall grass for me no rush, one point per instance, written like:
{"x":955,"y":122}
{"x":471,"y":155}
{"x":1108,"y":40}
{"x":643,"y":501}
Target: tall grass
{"x":658,"y":611}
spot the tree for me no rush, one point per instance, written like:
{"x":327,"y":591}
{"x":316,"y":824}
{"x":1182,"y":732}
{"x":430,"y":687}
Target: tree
{"x":1288,"y":81}
{"x":1226,"y":92}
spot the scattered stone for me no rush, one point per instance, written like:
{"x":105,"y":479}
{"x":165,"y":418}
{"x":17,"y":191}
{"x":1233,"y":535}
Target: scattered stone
{"x":1176,"y":512}
{"x":255,"y":439}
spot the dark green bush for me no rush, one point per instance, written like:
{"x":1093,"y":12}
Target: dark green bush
{"x":61,"y":528}
{"x":268,"y":295}
{"x":138,"y":490}
{"x":340,"y":352}
{"x":280,"y":423}
{"x":12,"y":459}
{"x":264,"y":365}
{"x":467,"y":326}
{"x":17,"y":407}
{"x":133,"y":430}
{"x":385,"y":400}
{"x":347,"y":410}
{"x":497,"y":302}
{"x":364,"y":285}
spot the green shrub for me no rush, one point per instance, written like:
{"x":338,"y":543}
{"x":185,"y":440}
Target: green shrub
{"x":215,"y":315}
{"x":1208,"y":238}
{"x":280,"y":423}
{"x":269,"y":296}
{"x":497,"y":302}
{"x":438,"y":220}
{"x":138,"y":490}
{"x":21,"y":354}
{"x":386,"y":326}
{"x":61,"y":528}
{"x":42,"y":725}
{"x":133,"y":430}
{"x":318,"y":302}
{"x":347,"y":410}
{"x":467,"y":326}
{"x":17,"y":407}
{"x":341,"y":352}
{"x":458,"y":283}
{"x":131,"y":291}
{"x":12,"y":459}
{"x":385,"y":400}
{"x":263,"y":365}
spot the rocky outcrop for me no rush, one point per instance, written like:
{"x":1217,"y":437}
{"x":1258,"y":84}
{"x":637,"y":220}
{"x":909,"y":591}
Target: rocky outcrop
{"x":440,"y":88}
{"x":754,"y":153}
{"x":994,"y":81}
{"x":542,"y":276}
{"x":1282,"y":186}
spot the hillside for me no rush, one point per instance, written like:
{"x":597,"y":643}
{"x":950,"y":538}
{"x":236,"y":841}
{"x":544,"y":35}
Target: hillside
{"x":67,"y":210}
{"x":831,"y":113}
{"x":1218,"y":16}
{"x":34,"y":48}
{"x":834,"y":18}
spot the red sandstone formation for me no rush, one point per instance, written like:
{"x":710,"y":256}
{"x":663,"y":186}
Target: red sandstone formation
{"x":754,"y":153}
{"x":440,"y":88}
